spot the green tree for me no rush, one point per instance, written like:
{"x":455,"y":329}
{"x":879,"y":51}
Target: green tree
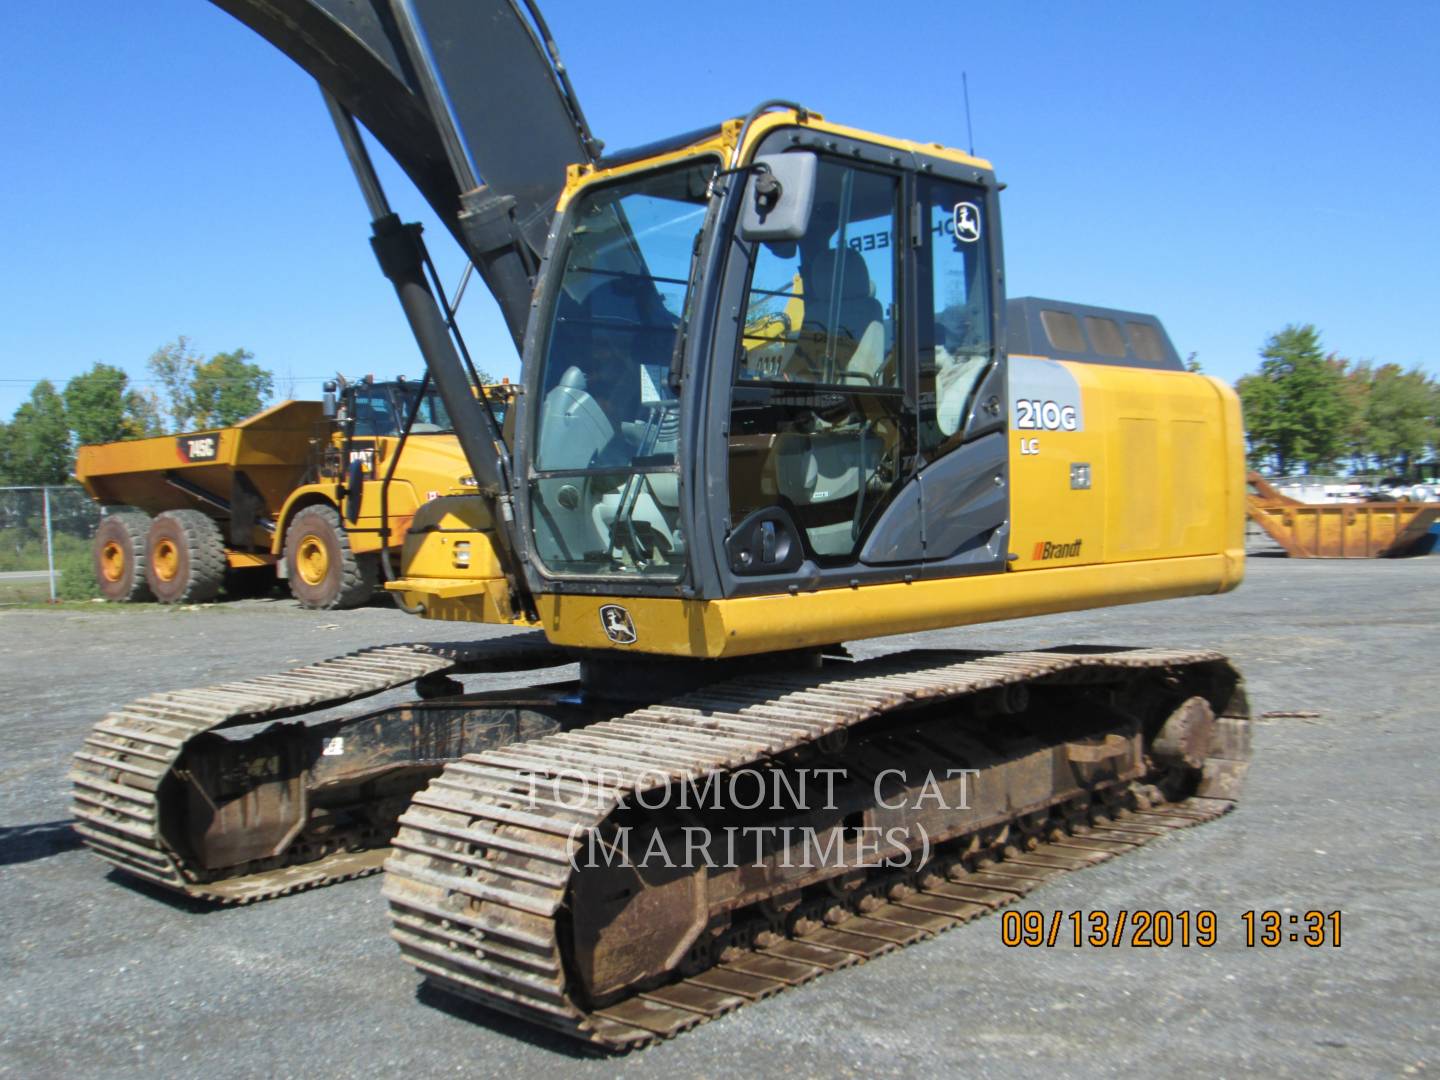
{"x":227,"y":388}
{"x":1355,"y":386}
{"x":145,"y":413}
{"x":1400,"y":416}
{"x":36,"y":446}
{"x":208,"y":393}
{"x":1296,"y":410}
{"x":100,"y":407}
{"x":174,"y":365}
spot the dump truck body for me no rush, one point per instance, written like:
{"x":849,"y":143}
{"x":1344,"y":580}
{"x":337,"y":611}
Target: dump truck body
{"x":255,"y":480}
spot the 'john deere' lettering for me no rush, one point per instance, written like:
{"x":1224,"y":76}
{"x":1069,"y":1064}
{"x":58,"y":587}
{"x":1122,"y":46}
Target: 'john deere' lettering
{"x":1045,"y":549}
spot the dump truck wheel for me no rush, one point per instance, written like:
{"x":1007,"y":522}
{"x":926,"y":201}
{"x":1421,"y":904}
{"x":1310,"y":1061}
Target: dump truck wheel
{"x":184,"y":557}
{"x":119,"y":551}
{"x":323,"y":572}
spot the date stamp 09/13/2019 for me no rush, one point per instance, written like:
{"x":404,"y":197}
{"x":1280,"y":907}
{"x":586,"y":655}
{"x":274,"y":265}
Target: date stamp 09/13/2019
{"x":1162,"y":929}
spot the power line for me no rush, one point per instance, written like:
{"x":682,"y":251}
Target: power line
{"x":158,"y":382}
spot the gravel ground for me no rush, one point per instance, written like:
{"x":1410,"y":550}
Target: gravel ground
{"x":104,"y":979}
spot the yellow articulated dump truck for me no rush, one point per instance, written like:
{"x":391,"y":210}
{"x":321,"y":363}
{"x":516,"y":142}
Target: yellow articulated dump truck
{"x":321,"y":491}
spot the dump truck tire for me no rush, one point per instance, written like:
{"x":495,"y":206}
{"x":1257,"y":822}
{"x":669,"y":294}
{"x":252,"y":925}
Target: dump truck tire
{"x":184,"y":557}
{"x":119,"y":552}
{"x":323,"y":572}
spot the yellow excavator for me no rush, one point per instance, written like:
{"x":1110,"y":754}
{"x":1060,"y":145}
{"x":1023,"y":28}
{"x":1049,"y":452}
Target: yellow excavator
{"x":773,"y":400}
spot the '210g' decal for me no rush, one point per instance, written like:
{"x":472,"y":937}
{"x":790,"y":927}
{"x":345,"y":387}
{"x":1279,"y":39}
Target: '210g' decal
{"x":1036,"y":415}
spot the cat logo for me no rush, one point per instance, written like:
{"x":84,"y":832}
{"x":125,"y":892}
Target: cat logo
{"x":619,"y":627}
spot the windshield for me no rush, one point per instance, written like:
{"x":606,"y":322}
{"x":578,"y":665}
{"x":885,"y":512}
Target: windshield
{"x":381,"y":408}
{"x":432,"y":419}
{"x":606,"y":496}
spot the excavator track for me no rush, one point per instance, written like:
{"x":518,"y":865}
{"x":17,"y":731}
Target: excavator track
{"x":132,"y":754}
{"x":489,"y":901}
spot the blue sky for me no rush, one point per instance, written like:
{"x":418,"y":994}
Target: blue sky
{"x":1230,"y":167}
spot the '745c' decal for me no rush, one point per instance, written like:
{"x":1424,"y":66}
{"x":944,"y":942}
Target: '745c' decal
{"x":198,"y":447}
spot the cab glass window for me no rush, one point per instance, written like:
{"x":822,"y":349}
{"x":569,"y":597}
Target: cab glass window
{"x":1105,"y":336}
{"x":821,"y":310}
{"x":1146,"y":342}
{"x":818,"y":436}
{"x":605,"y":498}
{"x":953,"y":286}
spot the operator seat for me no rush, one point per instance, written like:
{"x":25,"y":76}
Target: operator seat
{"x":843,"y":319}
{"x":574,"y":432}
{"x":573,"y":428}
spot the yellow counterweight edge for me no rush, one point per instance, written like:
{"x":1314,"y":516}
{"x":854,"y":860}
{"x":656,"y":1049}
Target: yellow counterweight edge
{"x":761,"y":624}
{"x":746,"y":626}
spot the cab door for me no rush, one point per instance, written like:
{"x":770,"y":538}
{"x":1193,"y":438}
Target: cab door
{"x":865,"y":436}
{"x":964,"y":453}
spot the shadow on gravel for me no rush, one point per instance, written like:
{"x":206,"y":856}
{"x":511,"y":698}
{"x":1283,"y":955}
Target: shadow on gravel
{"x":26,"y":843}
{"x":179,"y":901}
{"x":509,"y":1026}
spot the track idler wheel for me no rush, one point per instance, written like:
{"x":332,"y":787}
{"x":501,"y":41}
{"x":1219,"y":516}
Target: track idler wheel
{"x":1184,"y":739}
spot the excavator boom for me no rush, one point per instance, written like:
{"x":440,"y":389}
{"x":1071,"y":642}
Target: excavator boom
{"x":424,"y":77}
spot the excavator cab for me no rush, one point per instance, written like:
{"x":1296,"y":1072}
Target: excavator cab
{"x":671,"y":446}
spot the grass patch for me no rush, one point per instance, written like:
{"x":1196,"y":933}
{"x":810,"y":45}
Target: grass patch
{"x":24,"y":592}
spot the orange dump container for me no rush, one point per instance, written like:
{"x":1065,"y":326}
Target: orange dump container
{"x":1341,"y":530}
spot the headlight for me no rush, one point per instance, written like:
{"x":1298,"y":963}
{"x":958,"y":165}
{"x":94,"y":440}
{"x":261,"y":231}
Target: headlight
{"x":468,"y":481}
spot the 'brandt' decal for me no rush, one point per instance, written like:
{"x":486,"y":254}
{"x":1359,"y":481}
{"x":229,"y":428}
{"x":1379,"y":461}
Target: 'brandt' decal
{"x":1046,"y":549}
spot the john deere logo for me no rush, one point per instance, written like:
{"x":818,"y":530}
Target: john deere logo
{"x":967,"y":222}
{"x":1044,"y":549}
{"x":619,"y":627}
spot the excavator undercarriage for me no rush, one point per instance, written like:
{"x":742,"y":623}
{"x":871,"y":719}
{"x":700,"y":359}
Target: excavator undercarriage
{"x":630,"y":880}
{"x":622,"y":875}
{"x":227,"y":794}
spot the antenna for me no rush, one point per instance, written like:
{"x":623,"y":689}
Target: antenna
{"x":969,"y":131}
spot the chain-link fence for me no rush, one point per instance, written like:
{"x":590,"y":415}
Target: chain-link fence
{"x":45,"y":544}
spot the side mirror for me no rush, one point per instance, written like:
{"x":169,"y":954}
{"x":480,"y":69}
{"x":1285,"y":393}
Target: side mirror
{"x":778,"y":197}
{"x":354,"y":489}
{"x":327,"y":403}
